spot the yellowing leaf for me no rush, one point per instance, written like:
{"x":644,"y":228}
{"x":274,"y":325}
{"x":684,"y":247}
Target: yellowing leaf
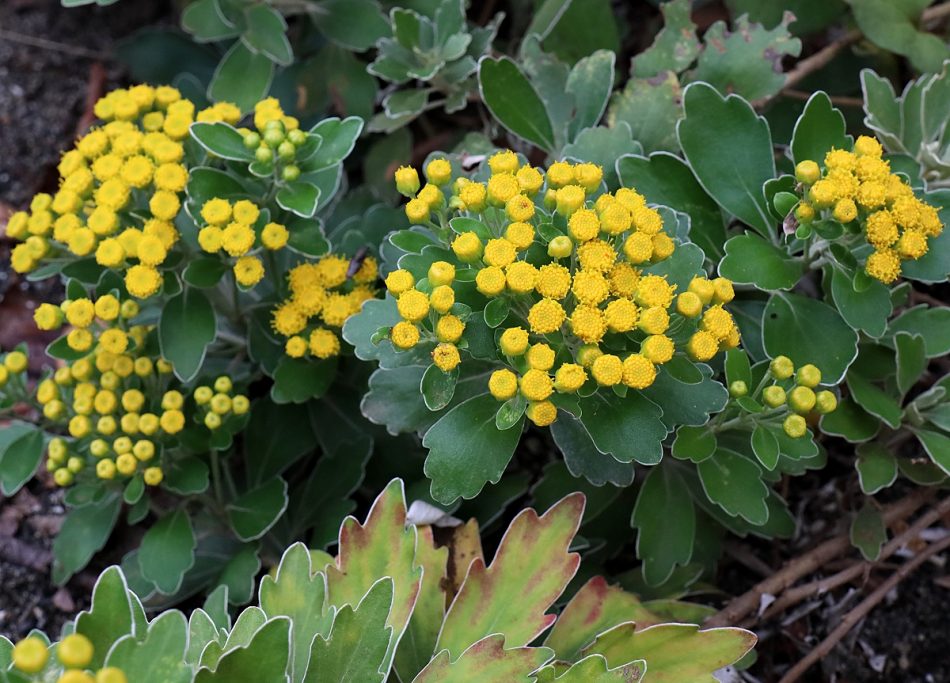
{"x":512,"y":595}
{"x":486,"y":660}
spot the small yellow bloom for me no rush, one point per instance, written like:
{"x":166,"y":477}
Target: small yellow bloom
{"x":490,"y":281}
{"x":407,"y":181}
{"x":638,"y":371}
{"x":702,"y":346}
{"x":404,"y":335}
{"x":536,"y":385}
{"x":503,"y":384}
{"x":569,"y":378}
{"x":583,"y":224}
{"x":541,"y":413}
{"x":607,"y":370}
{"x":449,"y":328}
{"x":441,"y":273}
{"x":513,"y":341}
{"x":442,"y":298}
{"x":413,"y":305}
{"x":546,"y":316}
{"x":438,"y":172}
{"x":445,"y":356}
{"x":324,"y":343}
{"x":248,"y":271}
{"x":274,"y":236}
{"x":540,"y":357}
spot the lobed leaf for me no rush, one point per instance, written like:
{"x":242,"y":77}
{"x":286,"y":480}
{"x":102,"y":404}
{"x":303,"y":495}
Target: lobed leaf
{"x":531,"y":568}
{"x":486,"y":660}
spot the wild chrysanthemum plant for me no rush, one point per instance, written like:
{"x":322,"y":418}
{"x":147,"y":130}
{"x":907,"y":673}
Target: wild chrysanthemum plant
{"x":393,"y":603}
{"x":195,"y":265}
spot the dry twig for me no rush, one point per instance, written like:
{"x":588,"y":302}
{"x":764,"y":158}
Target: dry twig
{"x":862,"y":609}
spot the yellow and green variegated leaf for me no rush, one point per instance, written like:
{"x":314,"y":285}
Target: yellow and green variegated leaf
{"x":674,"y":653}
{"x":596,"y":607}
{"x":486,"y":660}
{"x":356,"y":649}
{"x":593,"y":669}
{"x":512,"y":595}
{"x":299,"y":593}
{"x":466,"y":546}
{"x":418,"y":642}
{"x":157,"y":656}
{"x":383,"y":546}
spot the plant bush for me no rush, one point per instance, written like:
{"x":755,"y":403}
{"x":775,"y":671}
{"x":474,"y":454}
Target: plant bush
{"x":392,"y":600}
{"x":686,"y":292}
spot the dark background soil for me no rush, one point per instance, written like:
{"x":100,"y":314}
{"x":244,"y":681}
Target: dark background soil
{"x":44,"y":101}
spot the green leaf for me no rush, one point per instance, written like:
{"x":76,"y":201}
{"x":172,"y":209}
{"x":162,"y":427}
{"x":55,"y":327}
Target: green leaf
{"x":531,"y":568}
{"x":596,"y":607}
{"x":738,"y":368}
{"x":84,"y":532}
{"x":339,"y":137}
{"x":354,"y":24}
{"x":383,"y":546}
{"x":299,"y":197}
{"x":514,"y":102}
{"x":488,"y":660}
{"x":157,"y":656}
{"x":21,"y":449}
{"x":264,"y":658}
{"x":627,"y":428}
{"x":850,"y":422}
{"x":298,"y":380}
{"x":256,"y":511}
{"x":267,"y":34}
{"x":276,"y":437}
{"x":496,"y":312}
{"x":582,"y":457}
{"x":765,"y":446}
{"x":205,"y":272}
{"x":221,"y":140}
{"x":205,"y":21}
{"x":694,"y":443}
{"x":750,"y":260}
{"x":206,"y":183}
{"x":190,"y":310}
{"x":593,"y":669}
{"x":466,"y":450}
{"x":809,"y":331}
{"x":868,"y":532}
{"x":747,"y":60}
{"x":666,"y":522}
{"x":651,"y":107}
{"x":937,"y":446}
{"x":110,"y":616}
{"x":819,"y":129}
{"x":735,"y":484}
{"x":299,"y":592}
{"x":186,"y":476}
{"x":586,"y":26}
{"x":590,"y":82}
{"x":874,"y":400}
{"x":664,"y":648}
{"x":892,"y":25}
{"x":729,"y":148}
{"x":867,"y":310}
{"x":876,"y":467}
{"x":168,"y":551}
{"x":438,"y":387}
{"x":242,"y":78}
{"x":417,"y":645}
{"x":239,"y":574}
{"x":911,"y":360}
{"x":546,"y":17}
{"x":356,"y":649}
{"x":932,"y":323}
{"x":675,"y":46}
{"x":686,"y":403}
{"x":665,"y":179}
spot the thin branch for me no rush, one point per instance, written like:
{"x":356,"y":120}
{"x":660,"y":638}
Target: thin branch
{"x":795,"y":595}
{"x":862,"y":609}
{"x":34,"y":41}
{"x":803,"y":565}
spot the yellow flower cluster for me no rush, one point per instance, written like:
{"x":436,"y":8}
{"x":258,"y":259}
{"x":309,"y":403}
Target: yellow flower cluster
{"x":100,"y":323}
{"x":116,"y":405}
{"x":859,"y":186}
{"x":217,"y":402}
{"x":795,"y":392}
{"x":231,"y":228}
{"x":590,"y":287}
{"x":120,"y":189}
{"x":74,"y":652}
{"x":322,"y":296}
{"x":14,"y":363}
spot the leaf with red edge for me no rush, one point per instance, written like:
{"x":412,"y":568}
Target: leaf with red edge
{"x":382,"y":546}
{"x":593,"y":669}
{"x":418,"y":643}
{"x":486,"y":660}
{"x":674,"y":653}
{"x":596,"y":607}
{"x":512,"y":595}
